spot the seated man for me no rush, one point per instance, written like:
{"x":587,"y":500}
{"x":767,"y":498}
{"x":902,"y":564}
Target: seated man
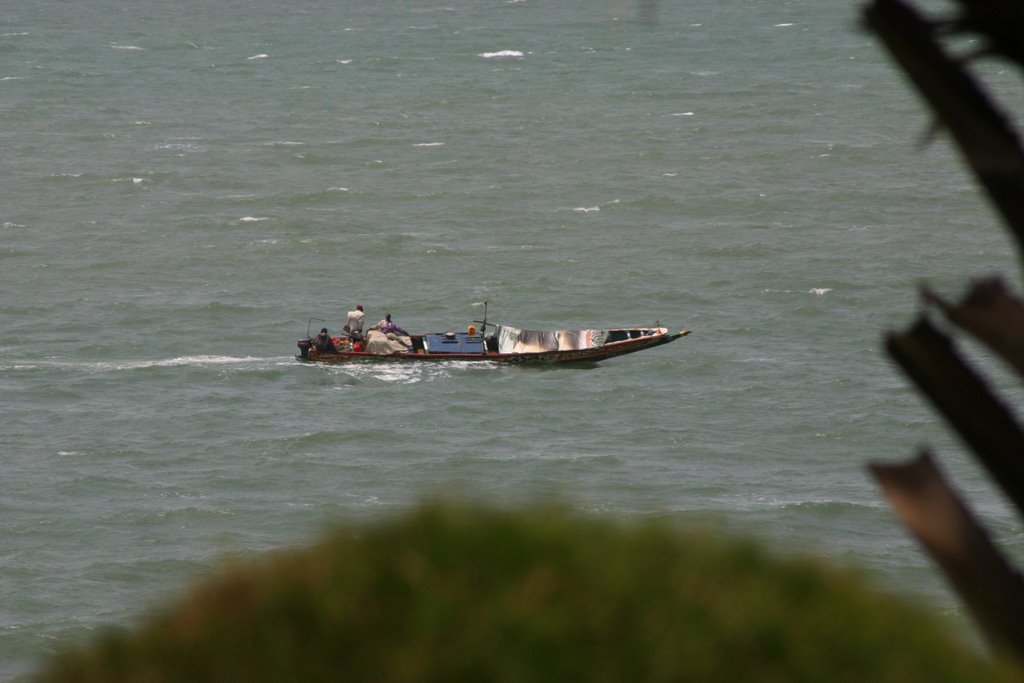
{"x":386,"y":326}
{"x":323,"y":342}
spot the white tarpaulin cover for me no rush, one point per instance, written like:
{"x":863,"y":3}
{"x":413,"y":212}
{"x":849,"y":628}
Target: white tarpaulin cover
{"x":515,"y":340}
{"x":385,"y":344}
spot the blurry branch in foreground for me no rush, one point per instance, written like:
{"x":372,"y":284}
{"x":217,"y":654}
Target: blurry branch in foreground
{"x":982,"y":132}
{"x":927,"y":504}
{"x":946,"y":528}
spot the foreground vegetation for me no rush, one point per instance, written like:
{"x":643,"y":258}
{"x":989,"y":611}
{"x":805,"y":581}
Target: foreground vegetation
{"x":451,"y":593}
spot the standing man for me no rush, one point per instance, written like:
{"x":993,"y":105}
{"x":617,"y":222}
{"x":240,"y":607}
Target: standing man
{"x":354,"y":326}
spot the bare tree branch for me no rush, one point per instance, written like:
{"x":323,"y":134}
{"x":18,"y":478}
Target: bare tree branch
{"x":988,"y":584}
{"x":992,"y":315}
{"x":988,"y":427}
{"x":985,"y":138}
{"x":1000,"y":22}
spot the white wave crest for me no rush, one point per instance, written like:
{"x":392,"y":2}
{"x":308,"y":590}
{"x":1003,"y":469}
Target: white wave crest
{"x":501,"y":54}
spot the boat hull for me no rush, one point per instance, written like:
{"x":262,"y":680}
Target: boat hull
{"x":590,"y":355}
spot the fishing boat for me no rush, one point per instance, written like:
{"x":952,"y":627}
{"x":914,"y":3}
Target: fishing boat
{"x":505,"y":344}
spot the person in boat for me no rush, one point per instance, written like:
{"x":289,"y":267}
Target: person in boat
{"x":323,"y":342}
{"x":354,"y":326}
{"x":388,"y":327}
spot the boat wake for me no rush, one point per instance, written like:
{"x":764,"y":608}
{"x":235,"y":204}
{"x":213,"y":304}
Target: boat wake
{"x":403,"y":373}
{"x":359,"y":373}
{"x":139,"y":364}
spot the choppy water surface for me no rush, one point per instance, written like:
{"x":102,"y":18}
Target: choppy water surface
{"x":183,"y":190}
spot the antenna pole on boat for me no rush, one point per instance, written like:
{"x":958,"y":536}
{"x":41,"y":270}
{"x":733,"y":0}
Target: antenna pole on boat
{"x":483,"y":323}
{"x":310,"y":324}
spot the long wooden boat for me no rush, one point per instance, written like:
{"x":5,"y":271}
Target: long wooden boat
{"x":505,"y":345}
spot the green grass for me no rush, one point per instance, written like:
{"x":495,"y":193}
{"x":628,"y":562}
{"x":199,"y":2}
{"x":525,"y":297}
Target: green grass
{"x":452,"y":593}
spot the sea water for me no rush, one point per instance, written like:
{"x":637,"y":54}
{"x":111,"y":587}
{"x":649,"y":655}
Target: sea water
{"x":188,"y":187}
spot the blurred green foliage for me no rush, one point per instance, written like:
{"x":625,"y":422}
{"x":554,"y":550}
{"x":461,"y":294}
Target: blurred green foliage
{"x":455,"y":593}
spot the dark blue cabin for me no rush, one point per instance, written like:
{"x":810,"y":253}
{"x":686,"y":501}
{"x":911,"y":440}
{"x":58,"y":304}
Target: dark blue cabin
{"x":453,"y":342}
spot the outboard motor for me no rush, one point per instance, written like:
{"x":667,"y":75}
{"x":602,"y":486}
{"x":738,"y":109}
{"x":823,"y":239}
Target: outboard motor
{"x":304,"y":345}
